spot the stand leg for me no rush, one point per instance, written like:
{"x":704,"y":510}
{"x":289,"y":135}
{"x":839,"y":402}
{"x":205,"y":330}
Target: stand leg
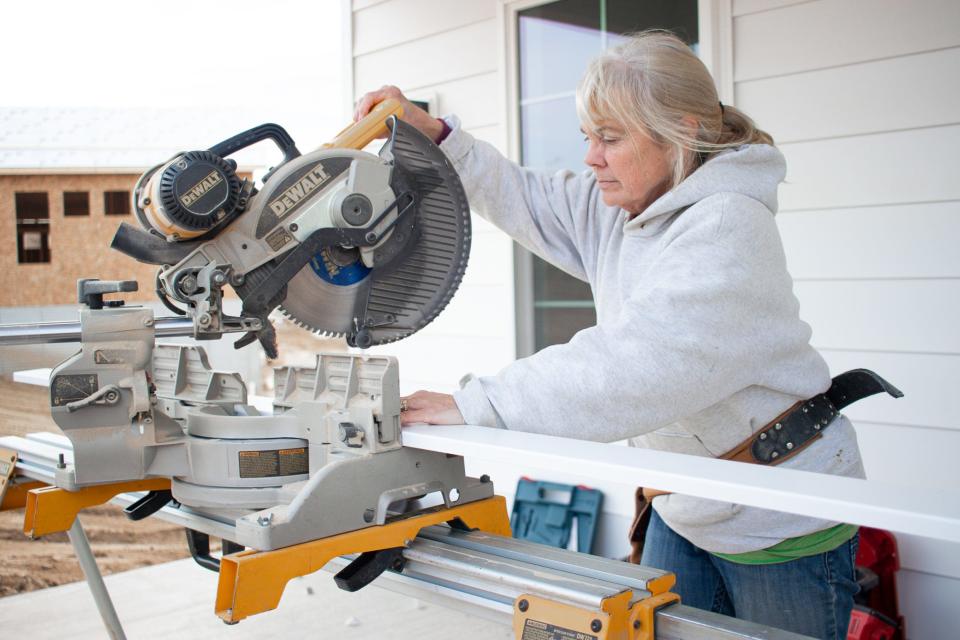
{"x":95,"y":581}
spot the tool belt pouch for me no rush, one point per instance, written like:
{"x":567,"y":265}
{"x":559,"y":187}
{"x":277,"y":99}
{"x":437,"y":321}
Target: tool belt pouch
{"x":781,"y":439}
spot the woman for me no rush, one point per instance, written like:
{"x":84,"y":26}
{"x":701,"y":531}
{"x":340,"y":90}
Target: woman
{"x":698,"y":343}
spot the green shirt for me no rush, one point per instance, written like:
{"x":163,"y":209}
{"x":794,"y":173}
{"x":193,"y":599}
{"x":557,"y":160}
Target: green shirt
{"x":793,"y":548}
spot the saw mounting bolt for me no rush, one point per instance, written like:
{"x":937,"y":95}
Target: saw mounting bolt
{"x":188,"y":284}
{"x":264,"y":521}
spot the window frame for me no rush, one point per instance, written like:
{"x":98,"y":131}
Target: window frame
{"x":66,"y":213}
{"x":41,"y":225}
{"x":106,"y":199}
{"x":715,"y":25}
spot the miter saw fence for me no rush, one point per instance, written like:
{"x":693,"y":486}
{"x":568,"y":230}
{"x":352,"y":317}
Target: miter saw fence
{"x":344,"y":242}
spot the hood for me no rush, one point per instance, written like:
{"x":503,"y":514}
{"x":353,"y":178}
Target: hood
{"x":754,"y":170}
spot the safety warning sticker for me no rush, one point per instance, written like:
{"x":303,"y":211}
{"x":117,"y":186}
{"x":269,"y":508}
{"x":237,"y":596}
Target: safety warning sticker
{"x":69,"y":388}
{"x":536,"y":630}
{"x":273,"y":462}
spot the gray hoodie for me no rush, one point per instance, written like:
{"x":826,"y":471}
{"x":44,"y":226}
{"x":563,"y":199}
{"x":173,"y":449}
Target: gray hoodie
{"x":698,"y":342}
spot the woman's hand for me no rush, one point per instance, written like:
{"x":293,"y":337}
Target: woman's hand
{"x":412,"y":114}
{"x":429,"y":407}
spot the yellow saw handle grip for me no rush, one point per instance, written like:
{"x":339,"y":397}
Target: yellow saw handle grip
{"x":361,"y":133}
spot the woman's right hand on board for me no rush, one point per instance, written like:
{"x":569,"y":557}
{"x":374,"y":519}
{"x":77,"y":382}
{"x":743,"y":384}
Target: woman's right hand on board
{"x":412,"y":114}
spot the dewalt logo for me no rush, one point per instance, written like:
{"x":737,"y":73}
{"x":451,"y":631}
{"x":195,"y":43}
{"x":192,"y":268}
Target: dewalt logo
{"x":198,"y":190}
{"x":293,"y":195}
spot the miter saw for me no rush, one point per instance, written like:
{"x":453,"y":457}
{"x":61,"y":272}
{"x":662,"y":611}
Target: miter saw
{"x":346,"y":243}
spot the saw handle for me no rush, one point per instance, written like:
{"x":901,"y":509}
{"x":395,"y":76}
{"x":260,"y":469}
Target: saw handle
{"x":263,"y":132}
{"x":367,"y":129}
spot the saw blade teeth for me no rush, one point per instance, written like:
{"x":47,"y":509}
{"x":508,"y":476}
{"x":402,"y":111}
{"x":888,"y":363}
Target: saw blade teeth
{"x":422,"y":281}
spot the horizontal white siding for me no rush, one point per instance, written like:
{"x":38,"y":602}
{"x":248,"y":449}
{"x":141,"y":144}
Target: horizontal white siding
{"x":744,"y":7}
{"x":394,"y":23}
{"x":365,"y":4}
{"x":427,"y":61}
{"x":830,"y":33}
{"x":880,"y":168}
{"x":928,"y":381}
{"x":883,"y":315}
{"x":880,"y":95}
{"x":924,"y":456}
{"x":863,"y":100}
{"x":446,"y":52}
{"x":920,"y":242}
{"x":468,"y":98}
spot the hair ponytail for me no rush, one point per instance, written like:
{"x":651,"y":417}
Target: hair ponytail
{"x":738,"y":128}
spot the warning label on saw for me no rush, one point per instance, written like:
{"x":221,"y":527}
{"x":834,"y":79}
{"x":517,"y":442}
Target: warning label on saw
{"x":273,"y":463}
{"x":536,"y":630}
{"x":70,"y":388}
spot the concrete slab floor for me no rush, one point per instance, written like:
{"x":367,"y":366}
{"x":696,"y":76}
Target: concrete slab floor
{"x":175,"y":600}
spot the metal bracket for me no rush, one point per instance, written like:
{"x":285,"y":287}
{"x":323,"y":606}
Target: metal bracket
{"x":616,"y":617}
{"x":252,"y":582}
{"x":52,"y":509}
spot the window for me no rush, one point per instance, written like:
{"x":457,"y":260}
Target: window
{"x":555,"y":42}
{"x":33,"y":227}
{"x":116,"y":203}
{"x":76,"y":203}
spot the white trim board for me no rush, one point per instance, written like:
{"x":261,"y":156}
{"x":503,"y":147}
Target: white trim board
{"x":930,"y":513}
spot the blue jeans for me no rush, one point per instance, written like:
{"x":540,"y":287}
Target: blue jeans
{"x":812,"y":596}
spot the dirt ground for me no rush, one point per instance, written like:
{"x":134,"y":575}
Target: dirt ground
{"x":118,"y":543}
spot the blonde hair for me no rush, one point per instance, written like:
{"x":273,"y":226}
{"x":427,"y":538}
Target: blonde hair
{"x":651,"y":83}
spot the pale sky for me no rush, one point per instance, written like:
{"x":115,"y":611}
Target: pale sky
{"x":281,"y":57}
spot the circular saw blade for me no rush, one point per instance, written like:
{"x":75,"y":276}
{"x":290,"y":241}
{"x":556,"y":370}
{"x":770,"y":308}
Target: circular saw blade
{"x":406,"y":292}
{"x":321,"y":304}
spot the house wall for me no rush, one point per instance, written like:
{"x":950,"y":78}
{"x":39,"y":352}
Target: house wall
{"x":862,"y":98}
{"x":79,"y":245}
{"x":409,"y":44}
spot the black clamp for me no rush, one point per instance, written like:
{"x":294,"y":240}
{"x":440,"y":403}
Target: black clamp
{"x":90,"y":291}
{"x":368,"y":566}
{"x":199,"y":545}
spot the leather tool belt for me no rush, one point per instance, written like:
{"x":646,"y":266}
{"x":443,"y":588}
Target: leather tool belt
{"x":784,"y":437}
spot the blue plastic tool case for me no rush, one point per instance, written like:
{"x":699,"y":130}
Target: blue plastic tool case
{"x":544,"y":512}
